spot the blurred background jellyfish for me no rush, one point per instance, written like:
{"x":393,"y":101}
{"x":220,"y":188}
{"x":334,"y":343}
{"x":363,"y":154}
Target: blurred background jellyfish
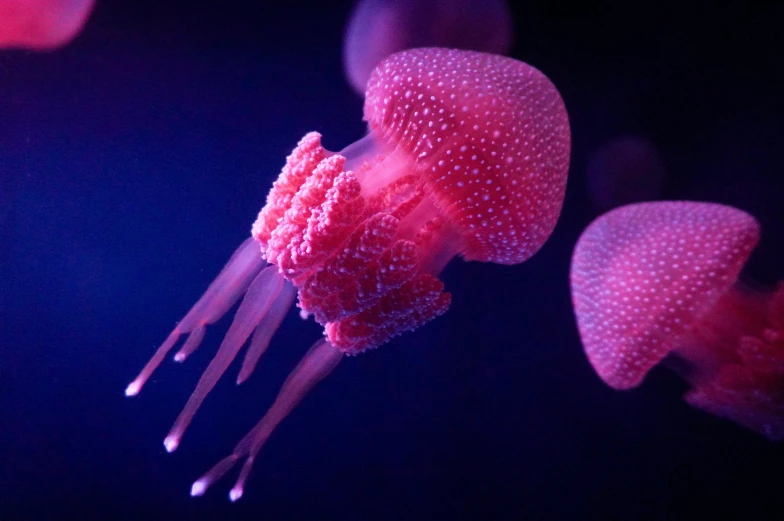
{"x":625,"y":169}
{"x":41,"y":24}
{"x":378,"y":28}
{"x":657,"y":280}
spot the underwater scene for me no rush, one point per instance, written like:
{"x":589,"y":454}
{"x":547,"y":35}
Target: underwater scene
{"x":390,"y":260}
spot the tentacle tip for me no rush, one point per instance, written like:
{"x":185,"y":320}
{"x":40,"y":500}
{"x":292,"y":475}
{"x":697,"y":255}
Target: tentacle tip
{"x":180,"y":356}
{"x":235,"y":493}
{"x":133,"y":388}
{"x":171,"y":443}
{"x":198,"y":488}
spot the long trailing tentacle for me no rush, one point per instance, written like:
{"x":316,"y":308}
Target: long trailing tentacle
{"x":261,"y":294}
{"x":230,"y":284}
{"x":318,"y":362}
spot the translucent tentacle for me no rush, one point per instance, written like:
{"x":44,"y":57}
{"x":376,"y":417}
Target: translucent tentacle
{"x":317,"y":363}
{"x":266,"y":328}
{"x":191,"y":343}
{"x":261,"y":294}
{"x":225,"y":290}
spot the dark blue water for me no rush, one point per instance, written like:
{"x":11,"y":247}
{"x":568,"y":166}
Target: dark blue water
{"x":133,"y":162}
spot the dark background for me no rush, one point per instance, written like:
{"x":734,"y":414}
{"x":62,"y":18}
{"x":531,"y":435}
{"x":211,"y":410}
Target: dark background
{"x":133,"y":162}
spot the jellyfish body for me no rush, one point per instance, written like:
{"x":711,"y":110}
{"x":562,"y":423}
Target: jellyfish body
{"x":379,"y":28}
{"x":41,"y":24}
{"x":656,"y":280}
{"x":467,"y":155}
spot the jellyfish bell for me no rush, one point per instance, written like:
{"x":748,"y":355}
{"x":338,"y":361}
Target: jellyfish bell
{"x":41,"y":24}
{"x":658,"y":281}
{"x":379,"y":28}
{"x":467,"y":155}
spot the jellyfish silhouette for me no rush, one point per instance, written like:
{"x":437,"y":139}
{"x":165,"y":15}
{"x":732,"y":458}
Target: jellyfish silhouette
{"x":41,"y":24}
{"x":626,"y":169}
{"x":378,"y":28}
{"x":657,"y":280}
{"x":467,"y":155}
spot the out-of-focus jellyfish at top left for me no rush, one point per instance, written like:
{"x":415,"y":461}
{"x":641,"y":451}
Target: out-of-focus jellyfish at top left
{"x":41,"y":24}
{"x":378,"y":28}
{"x":467,"y":155}
{"x":655,"y":282}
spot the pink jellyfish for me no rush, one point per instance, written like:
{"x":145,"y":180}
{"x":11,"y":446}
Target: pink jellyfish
{"x":467,"y":154}
{"x":41,"y":24}
{"x":378,"y":28}
{"x":656,"y":279}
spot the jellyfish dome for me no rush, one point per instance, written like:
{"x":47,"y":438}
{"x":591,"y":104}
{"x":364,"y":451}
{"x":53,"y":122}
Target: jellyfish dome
{"x":41,"y":24}
{"x":467,"y":155}
{"x":656,"y":280}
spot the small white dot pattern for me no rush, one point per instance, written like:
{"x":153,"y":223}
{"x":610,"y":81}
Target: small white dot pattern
{"x":490,"y":135}
{"x":641,"y":274}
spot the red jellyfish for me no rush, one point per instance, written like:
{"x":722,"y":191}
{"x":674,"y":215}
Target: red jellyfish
{"x":656,"y":279}
{"x":41,"y":24}
{"x":467,"y":154}
{"x":378,"y":28}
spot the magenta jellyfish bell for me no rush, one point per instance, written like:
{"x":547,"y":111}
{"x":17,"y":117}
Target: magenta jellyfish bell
{"x":467,"y":154}
{"x":41,"y":24}
{"x":657,"y":280}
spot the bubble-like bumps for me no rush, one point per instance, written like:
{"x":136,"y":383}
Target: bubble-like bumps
{"x":489,"y":134}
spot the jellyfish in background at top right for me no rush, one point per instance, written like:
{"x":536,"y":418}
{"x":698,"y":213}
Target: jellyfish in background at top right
{"x":379,"y":28}
{"x":658,"y":281}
